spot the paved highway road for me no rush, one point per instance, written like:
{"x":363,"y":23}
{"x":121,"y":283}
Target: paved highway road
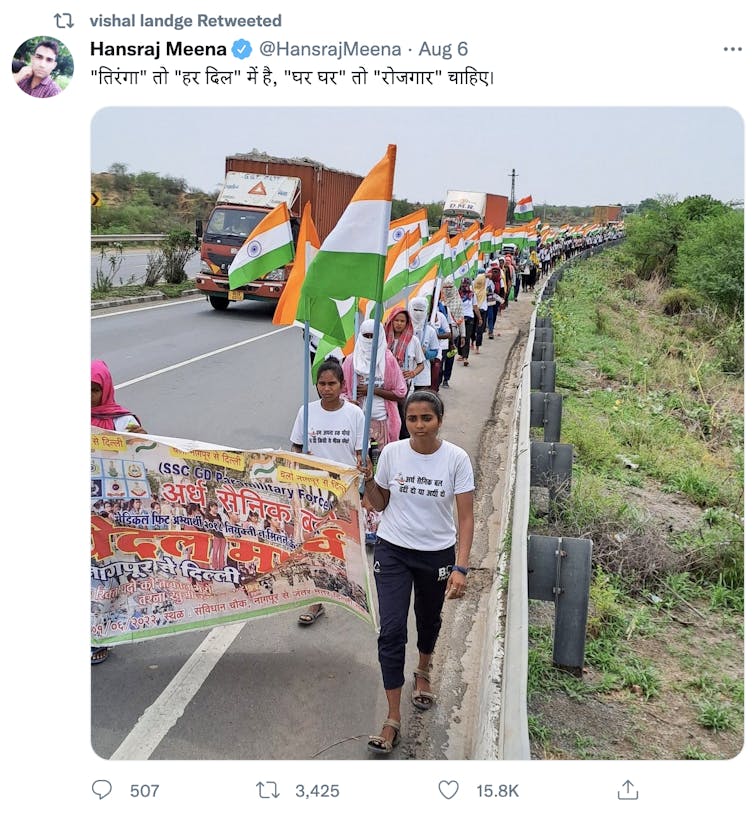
{"x":268,"y":689}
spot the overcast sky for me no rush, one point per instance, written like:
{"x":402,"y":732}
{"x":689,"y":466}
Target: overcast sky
{"x":578,"y":156}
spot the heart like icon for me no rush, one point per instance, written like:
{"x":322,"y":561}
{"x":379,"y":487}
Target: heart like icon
{"x":448,"y":789}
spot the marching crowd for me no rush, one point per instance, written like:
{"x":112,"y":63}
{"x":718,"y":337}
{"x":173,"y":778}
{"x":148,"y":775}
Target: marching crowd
{"x":422,"y":534}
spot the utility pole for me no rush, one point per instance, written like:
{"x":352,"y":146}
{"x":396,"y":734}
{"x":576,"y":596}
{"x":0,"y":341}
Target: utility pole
{"x":512,"y":205}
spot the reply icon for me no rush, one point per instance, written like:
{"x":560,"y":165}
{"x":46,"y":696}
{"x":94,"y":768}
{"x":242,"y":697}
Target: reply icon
{"x":102,"y":788}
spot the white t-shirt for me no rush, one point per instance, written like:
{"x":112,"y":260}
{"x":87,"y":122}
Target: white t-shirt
{"x":468,"y":305}
{"x":335,"y":435}
{"x":428,"y":341}
{"x":413,"y":356}
{"x":443,"y":327}
{"x":419,"y":515}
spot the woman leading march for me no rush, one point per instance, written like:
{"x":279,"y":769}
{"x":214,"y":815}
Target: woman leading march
{"x":418,"y":484}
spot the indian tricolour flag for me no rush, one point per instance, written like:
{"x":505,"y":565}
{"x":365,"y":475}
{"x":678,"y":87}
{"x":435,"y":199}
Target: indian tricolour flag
{"x":306,"y":249}
{"x":524,"y":210}
{"x":422,"y":261}
{"x":413,"y":220}
{"x":269,"y":246}
{"x":485,"y":240}
{"x":351,"y":260}
{"x":396,"y":267}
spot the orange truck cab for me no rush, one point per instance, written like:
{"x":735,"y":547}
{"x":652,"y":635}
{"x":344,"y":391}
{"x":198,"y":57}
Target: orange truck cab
{"x":255,"y":184}
{"x":244,"y":201}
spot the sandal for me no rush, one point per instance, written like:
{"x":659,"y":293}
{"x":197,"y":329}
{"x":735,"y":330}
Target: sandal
{"x":423,"y":700}
{"x":99,"y":654}
{"x":379,"y":744}
{"x":308,"y":618}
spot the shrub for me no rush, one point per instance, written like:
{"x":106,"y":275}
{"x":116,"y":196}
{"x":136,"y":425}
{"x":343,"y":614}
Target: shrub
{"x":678,"y":300}
{"x":176,"y":249}
{"x":711,"y":260}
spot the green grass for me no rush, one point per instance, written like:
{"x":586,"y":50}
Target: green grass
{"x":170,"y":290}
{"x":692,"y":752}
{"x":651,"y":390}
{"x":716,"y":716}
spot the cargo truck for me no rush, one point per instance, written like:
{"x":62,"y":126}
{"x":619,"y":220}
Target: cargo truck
{"x":254,"y":185}
{"x":604,"y":214}
{"x":464,"y":208}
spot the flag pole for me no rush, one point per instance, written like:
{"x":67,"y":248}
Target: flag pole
{"x":307,"y":377}
{"x":370,"y":381}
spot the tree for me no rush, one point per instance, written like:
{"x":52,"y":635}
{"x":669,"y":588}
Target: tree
{"x":647,"y":204}
{"x":653,"y":238}
{"x":711,"y":260}
{"x":697,"y":208}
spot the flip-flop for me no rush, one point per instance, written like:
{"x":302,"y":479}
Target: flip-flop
{"x":308,"y":618}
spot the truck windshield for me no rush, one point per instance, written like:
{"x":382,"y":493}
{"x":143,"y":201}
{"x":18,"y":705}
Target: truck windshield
{"x":234,"y":225}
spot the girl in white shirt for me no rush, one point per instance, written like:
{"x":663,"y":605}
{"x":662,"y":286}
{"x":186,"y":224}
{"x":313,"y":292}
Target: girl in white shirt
{"x":418,"y":484}
{"x":335,"y":431}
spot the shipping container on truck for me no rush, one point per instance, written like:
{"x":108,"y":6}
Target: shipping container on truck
{"x":603,"y":214}
{"x":464,"y":207}
{"x":496,"y":212}
{"x":255,"y":185}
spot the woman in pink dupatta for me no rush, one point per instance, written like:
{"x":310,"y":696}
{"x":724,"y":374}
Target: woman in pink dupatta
{"x":106,"y":413}
{"x":389,"y":389}
{"x":389,"y":383}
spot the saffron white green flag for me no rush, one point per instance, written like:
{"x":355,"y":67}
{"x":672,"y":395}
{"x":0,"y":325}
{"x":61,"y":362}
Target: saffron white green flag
{"x":524,"y":210}
{"x":351,"y":260}
{"x":411,"y":221}
{"x":485,"y":240}
{"x":421,"y":262}
{"x":308,"y":245}
{"x":269,"y":246}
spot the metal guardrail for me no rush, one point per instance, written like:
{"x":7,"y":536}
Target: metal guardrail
{"x":513,"y":734}
{"x":126,"y":239}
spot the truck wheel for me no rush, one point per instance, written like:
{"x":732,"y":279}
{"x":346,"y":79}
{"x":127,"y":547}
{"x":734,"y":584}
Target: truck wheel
{"x":219,"y":303}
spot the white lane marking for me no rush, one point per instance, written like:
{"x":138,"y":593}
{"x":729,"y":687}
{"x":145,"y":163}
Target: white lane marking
{"x":166,"y":710}
{"x":145,"y":308}
{"x":200,"y":357}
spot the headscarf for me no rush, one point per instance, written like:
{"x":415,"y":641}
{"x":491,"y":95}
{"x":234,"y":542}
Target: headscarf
{"x":452,"y":299}
{"x":362,"y":350}
{"x":108,"y":410}
{"x":480,"y":288}
{"x":464,"y":290}
{"x":496,"y":277}
{"x":398,"y":343}
{"x":417,"y":308}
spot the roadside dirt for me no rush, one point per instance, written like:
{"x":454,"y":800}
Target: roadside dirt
{"x":695,"y":652}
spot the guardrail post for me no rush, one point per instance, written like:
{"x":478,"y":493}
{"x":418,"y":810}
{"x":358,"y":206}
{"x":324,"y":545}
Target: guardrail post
{"x":560,"y":571}
{"x":543,"y":375}
{"x":551,"y":467}
{"x":546,"y":411}
{"x":542,"y":351}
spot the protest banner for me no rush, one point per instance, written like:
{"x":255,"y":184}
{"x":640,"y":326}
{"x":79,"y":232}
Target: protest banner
{"x":188,"y":535}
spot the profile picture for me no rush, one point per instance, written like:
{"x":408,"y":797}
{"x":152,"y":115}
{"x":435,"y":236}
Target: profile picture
{"x":42,"y":67}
